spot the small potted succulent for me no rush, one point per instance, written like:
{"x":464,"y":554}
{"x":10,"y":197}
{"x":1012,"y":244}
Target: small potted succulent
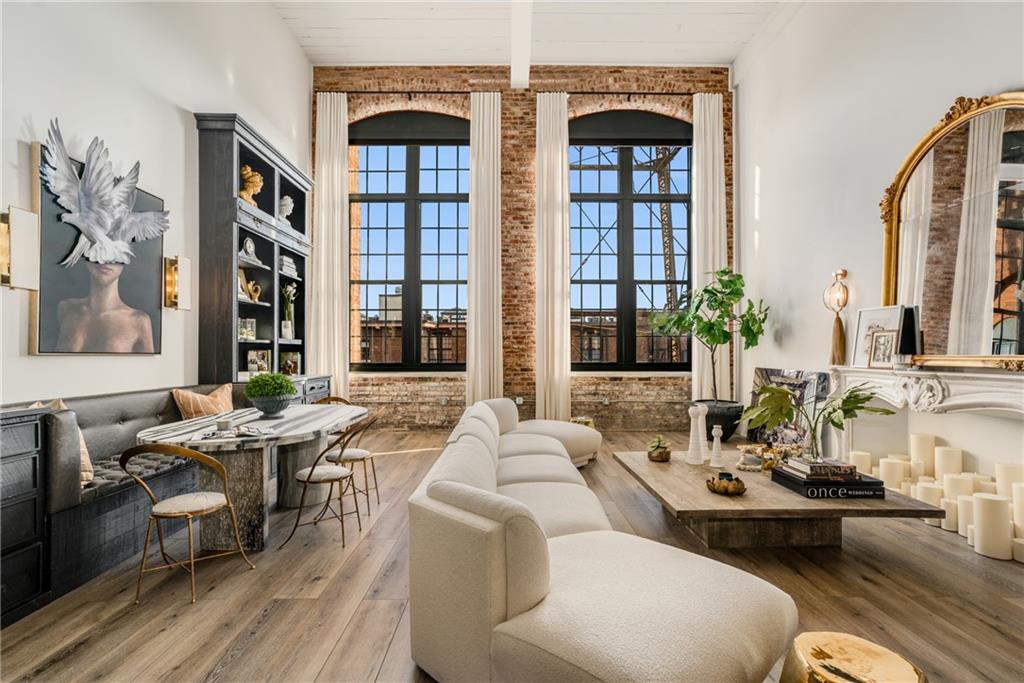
{"x":658,"y":450}
{"x":270,"y":392}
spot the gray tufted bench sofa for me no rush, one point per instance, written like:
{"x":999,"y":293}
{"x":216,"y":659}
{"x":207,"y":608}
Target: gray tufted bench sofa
{"x":95,"y":527}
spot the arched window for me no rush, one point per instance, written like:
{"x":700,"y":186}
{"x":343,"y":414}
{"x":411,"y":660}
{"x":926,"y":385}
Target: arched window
{"x":409,"y":222}
{"x":629,"y":220}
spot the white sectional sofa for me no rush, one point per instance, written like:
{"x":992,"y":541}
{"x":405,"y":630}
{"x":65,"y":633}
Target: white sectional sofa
{"x":516,"y":575}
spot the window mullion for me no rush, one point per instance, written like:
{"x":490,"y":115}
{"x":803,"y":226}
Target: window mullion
{"x":626,"y":299}
{"x":411,"y":288}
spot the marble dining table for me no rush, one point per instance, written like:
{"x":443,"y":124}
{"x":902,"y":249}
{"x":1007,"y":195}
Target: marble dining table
{"x":298,"y":435}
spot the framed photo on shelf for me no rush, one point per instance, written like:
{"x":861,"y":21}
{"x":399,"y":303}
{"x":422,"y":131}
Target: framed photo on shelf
{"x":247,"y":329}
{"x":290,"y":362}
{"x":869,"y":320}
{"x":258,"y":360}
{"x":883,"y":348}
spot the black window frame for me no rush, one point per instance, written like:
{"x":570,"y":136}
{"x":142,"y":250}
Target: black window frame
{"x":625,"y":130}
{"x":411,"y":130}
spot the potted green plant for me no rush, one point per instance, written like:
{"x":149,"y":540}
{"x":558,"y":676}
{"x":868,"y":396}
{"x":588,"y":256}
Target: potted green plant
{"x":658,"y":449}
{"x":270,"y":392}
{"x":710,"y":317}
{"x":776,"y":405}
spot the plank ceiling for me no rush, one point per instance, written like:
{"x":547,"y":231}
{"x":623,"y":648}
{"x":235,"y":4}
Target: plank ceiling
{"x":480,"y":32}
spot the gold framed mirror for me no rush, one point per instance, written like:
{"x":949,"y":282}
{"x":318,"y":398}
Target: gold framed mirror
{"x":954,"y":221}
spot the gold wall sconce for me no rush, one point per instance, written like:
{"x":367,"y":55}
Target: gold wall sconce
{"x":835,"y":298}
{"x":178,"y":283}
{"x":19,"y":249}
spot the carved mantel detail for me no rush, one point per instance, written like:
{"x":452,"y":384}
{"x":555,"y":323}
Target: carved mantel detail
{"x":921,"y":394}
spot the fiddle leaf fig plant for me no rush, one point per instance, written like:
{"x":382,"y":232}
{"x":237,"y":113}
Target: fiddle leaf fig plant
{"x":711,"y":317}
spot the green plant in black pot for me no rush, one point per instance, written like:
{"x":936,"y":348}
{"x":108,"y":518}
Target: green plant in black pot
{"x":270,"y":392}
{"x":710,"y":316}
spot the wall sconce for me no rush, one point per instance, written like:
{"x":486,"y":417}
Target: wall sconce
{"x":178,"y":283}
{"x":19,"y":249}
{"x":835,"y":298}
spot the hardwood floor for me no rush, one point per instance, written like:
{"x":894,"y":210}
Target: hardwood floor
{"x":313,"y":611}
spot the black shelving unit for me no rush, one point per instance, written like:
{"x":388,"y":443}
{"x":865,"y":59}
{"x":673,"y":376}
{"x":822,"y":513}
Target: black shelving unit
{"x":226,"y":143}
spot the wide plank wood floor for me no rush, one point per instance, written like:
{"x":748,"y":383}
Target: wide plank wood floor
{"x":316,"y":612}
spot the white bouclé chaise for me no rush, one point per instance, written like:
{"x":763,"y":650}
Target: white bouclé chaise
{"x":580,"y":441}
{"x":515,"y":574}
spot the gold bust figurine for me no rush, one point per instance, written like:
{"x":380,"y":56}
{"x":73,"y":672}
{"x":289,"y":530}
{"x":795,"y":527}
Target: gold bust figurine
{"x":252,"y":183}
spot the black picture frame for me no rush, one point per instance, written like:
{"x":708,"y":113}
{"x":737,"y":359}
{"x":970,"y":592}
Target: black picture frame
{"x":140,"y":283}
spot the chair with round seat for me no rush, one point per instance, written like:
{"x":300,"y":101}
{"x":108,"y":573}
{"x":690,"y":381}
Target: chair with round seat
{"x":332,"y":474}
{"x":354,"y":454}
{"x":185,"y":506}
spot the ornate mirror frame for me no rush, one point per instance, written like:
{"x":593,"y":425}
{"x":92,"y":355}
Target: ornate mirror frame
{"x":963,"y":109}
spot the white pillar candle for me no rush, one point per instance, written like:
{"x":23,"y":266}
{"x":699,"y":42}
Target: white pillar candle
{"x":950,"y":520}
{"x":955,"y":485}
{"x":926,"y":480}
{"x":875,"y":472}
{"x":1008,"y":474}
{"x":891,"y":471}
{"x":861,"y":460}
{"x":931,"y":494}
{"x":899,"y":456}
{"x":964,"y":513}
{"x":948,"y":461}
{"x":992,"y":526}
{"x":922,"y":450}
{"x":970,"y":535}
{"x":1018,"y":509}
{"x":905,"y":486}
{"x":985,"y":486}
{"x":913,"y":492}
{"x":1018,"y":549}
{"x":916,"y":469}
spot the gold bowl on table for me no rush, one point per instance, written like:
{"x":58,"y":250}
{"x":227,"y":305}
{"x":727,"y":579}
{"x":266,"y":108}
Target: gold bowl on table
{"x":727,"y":487}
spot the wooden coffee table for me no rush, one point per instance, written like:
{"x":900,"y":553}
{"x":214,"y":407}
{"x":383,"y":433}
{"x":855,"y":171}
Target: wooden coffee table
{"x":767,"y":515}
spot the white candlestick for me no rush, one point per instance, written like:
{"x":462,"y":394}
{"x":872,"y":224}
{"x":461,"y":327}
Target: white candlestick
{"x":1008,"y":474}
{"x":716,"y":447}
{"x":705,"y":453}
{"x":970,"y":535}
{"x":985,"y":486}
{"x":964,"y":513}
{"x":861,"y":460}
{"x":931,"y":494}
{"x":695,"y":455}
{"x":949,"y":507}
{"x":948,"y":461}
{"x":992,"y":536}
{"x":922,"y":450}
{"x":955,"y":485}
{"x":1018,"y":509}
{"x":1018,"y":549}
{"x":891,"y":471}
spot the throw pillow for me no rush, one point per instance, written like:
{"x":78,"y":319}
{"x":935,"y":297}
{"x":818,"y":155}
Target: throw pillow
{"x":193,"y":405}
{"x":85,"y":472}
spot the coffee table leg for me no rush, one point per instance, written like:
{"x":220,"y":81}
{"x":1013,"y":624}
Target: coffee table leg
{"x":248,"y":487}
{"x":768,"y":533}
{"x":291,"y":459}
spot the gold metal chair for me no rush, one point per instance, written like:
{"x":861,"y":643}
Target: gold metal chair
{"x":186,"y":506}
{"x":330,"y":474}
{"x":354,"y":454}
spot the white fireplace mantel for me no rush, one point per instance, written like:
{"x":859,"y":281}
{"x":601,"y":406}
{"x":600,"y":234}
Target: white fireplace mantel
{"x":997,"y":394}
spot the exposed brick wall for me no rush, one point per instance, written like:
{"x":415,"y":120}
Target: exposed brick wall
{"x":410,"y":401}
{"x":633,"y":403}
{"x":517,"y":231}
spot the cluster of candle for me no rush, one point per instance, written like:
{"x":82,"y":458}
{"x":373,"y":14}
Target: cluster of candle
{"x":990,"y":514}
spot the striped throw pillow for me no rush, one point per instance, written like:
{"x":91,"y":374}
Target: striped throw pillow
{"x":193,"y":405}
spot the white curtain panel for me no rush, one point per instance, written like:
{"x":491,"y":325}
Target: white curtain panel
{"x":329,"y":295}
{"x":708,"y":240}
{"x":970,"y":319}
{"x":483,"y":320}
{"x":553,"y":358}
{"x":915,"y":218}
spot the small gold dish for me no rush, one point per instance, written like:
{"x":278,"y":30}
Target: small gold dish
{"x":727,"y":487}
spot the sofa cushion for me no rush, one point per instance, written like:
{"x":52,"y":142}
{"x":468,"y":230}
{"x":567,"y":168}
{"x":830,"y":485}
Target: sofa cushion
{"x":623,"y":608}
{"x":86,"y":472}
{"x":506,"y":411}
{"x":480,"y":412}
{"x":581,"y":441}
{"x":478,"y":431}
{"x":109,"y":476}
{"x":530,"y":444}
{"x":192,"y":404}
{"x":519,"y":469}
{"x":560,"y":508}
{"x":467,"y":462}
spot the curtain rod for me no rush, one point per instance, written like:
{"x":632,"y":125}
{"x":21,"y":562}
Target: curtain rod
{"x":410,"y":93}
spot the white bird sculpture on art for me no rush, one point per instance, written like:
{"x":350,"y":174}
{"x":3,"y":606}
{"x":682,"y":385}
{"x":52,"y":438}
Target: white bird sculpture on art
{"x":100,"y":205}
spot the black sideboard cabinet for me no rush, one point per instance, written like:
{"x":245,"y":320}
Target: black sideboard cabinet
{"x":24,"y":542}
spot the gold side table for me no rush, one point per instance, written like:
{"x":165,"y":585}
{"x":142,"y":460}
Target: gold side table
{"x":827,"y":657}
{"x":583,"y":420}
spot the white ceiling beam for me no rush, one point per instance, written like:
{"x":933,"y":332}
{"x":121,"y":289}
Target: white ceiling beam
{"x":520,"y":37}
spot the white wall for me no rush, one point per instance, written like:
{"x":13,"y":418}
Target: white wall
{"x":828,"y":105}
{"x":133,"y":74}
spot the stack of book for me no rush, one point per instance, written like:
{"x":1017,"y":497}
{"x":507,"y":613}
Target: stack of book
{"x":287,"y":266}
{"x":827,"y":479}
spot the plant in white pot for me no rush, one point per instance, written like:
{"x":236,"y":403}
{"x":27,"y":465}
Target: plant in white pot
{"x":270,"y":392}
{"x":710,"y":317}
